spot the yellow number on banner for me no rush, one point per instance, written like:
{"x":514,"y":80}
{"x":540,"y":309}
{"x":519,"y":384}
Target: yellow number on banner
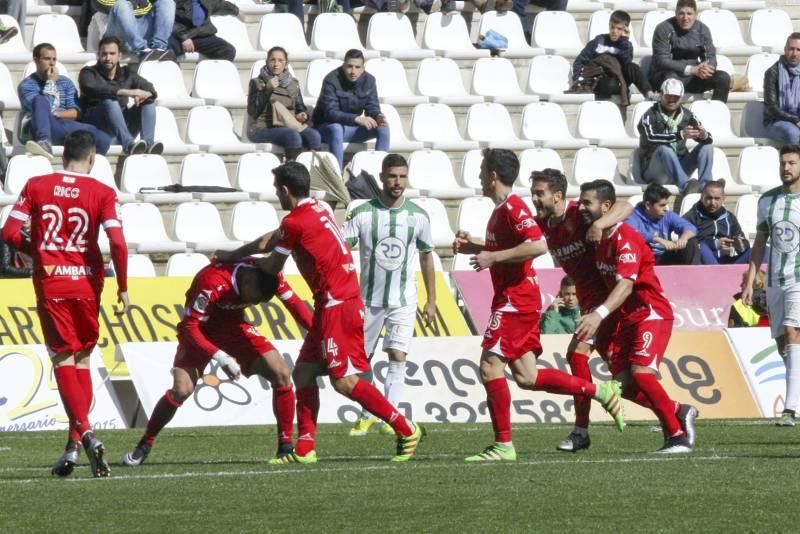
{"x":26,"y":405}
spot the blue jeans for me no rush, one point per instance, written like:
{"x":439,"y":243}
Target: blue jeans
{"x":336,"y":135}
{"x":124,"y":125}
{"x":784,"y":132}
{"x":295,"y":7}
{"x":666,"y":167}
{"x":708,"y":256}
{"x":137,"y":33}
{"x":288,"y":138}
{"x":47,"y":127}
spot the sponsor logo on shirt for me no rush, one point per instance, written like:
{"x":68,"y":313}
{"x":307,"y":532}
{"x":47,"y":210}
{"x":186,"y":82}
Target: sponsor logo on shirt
{"x":67,"y":270}
{"x":570,"y":251}
{"x":525,"y":224}
{"x":627,"y":257}
{"x":66,"y":192}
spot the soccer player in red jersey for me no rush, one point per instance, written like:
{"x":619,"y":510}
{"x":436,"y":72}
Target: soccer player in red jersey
{"x":570,"y":239}
{"x":214,"y":328}
{"x":335,"y":343}
{"x":66,"y":211}
{"x":513,"y":239}
{"x":644,"y":318}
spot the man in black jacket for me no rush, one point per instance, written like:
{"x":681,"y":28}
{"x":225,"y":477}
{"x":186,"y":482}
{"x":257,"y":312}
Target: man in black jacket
{"x":782,"y":95}
{"x":119,"y":101}
{"x":719,"y":235}
{"x":194,"y":32}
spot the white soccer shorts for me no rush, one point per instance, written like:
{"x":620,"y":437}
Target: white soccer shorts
{"x":399,"y":324}
{"x":783,"y":306}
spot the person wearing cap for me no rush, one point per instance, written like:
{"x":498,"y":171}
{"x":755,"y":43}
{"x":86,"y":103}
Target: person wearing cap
{"x":683,"y":49}
{"x":663,"y":131}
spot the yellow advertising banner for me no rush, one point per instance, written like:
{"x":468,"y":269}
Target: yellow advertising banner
{"x":157,"y":307}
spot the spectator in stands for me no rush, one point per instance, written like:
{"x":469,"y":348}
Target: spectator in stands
{"x":15,"y":263}
{"x":564,"y":313}
{"x":613,"y":52}
{"x":272,"y":95}
{"x":742,"y":315}
{"x":348,"y":109}
{"x":782,"y":95}
{"x":143,"y":26}
{"x":683,"y":49}
{"x":119,"y":101}
{"x":50,"y":107}
{"x":651,"y":218}
{"x":194,"y":32}
{"x":719,"y":235}
{"x":663,"y":131}
{"x":17,"y":9}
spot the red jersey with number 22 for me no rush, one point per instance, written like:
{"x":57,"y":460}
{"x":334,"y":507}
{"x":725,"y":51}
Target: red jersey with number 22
{"x":322,"y":256}
{"x":623,"y":254}
{"x":515,"y":286}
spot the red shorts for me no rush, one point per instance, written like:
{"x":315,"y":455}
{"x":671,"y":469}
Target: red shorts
{"x":511,"y":334}
{"x":240,"y":340}
{"x":69,"y":325}
{"x":337,"y":339}
{"x":643,"y":343}
{"x":604,"y":339}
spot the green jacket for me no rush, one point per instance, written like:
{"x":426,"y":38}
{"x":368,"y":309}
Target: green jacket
{"x":563,"y":321}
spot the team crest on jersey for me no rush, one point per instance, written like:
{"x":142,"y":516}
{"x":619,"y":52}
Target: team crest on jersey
{"x":202,"y":300}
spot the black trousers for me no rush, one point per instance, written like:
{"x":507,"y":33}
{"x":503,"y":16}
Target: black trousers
{"x":688,"y":256}
{"x":720,"y":83}
{"x":609,"y":85}
{"x":211,"y":46}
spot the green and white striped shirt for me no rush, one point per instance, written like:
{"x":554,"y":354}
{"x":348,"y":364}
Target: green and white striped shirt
{"x":390,"y":238}
{"x":779,"y":216}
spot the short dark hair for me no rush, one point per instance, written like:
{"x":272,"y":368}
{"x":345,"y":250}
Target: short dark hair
{"x":567,"y":281}
{"x":108,"y":39}
{"x":555,"y":179}
{"x":715,"y":183}
{"x":620,"y":17}
{"x":790,"y":149}
{"x":685,"y":3}
{"x":37,"y":50}
{"x":393,"y":160}
{"x":295,"y":177}
{"x":655,"y":193}
{"x":793,"y":36}
{"x":503,"y":162}
{"x":353,"y":53}
{"x":602,"y":188}
{"x":278,"y":49}
{"x":267,"y":284}
{"x":78,"y":146}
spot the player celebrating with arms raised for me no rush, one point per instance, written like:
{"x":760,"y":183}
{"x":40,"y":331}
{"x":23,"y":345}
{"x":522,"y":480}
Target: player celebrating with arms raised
{"x":335,"y":343}
{"x":66,"y":210}
{"x":513,"y":239}
{"x":214,"y":327}
{"x":570,"y":238}
{"x":643,"y":320}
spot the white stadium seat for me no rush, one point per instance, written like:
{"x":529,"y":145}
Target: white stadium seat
{"x":752,"y":122}
{"x":337,"y":33}
{"x":473,"y":215}
{"x":62,"y":32}
{"x":535,"y":159}
{"x":186,"y":263}
{"x":144,"y":229}
{"x":217,"y":82}
{"x":508,"y":24}
{"x":252,"y":219}
{"x":759,"y":167}
{"x":13,"y":50}
{"x":443,"y":235}
{"x":211,"y":127}
{"x":490,"y":124}
{"x":545,"y":123}
{"x":649,"y":23}
{"x":601,"y":123}
{"x":391,"y":35}
{"x":167,"y":79}
{"x":725,"y":32}
{"x":439,"y":79}
{"x":687,"y":202}
{"x":200,"y":226}
{"x":746,"y":208}
{"x":140,"y":266}
{"x":316,"y":72}
{"x":435,"y":125}
{"x":254,"y":175}
{"x":208,"y":170}
{"x":285,"y":30}
{"x":721,"y":170}
{"x":495,"y":79}
{"x":769,"y":29}
{"x":757,"y":65}
{"x":471,"y":170}
{"x":234,"y":30}
{"x":8,"y":89}
{"x":431,"y":173}
{"x":369,"y":161}
{"x":638,"y":112}
{"x":399,"y":141}
{"x":549,"y":76}
{"x":149,"y":171}
{"x":102,"y":172}
{"x":715,"y":116}
{"x":596,"y":162}
{"x":557,"y":32}
{"x":391,"y":81}
{"x":22,"y":168}
{"x":167,"y":132}
{"x":448,"y":35}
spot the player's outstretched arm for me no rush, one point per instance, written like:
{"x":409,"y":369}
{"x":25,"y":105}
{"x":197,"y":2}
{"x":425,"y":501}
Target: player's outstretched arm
{"x":262,"y":245}
{"x":466,"y":244}
{"x":756,"y":257}
{"x":527,"y":250}
{"x":429,"y":279}
{"x":119,"y":257}
{"x":589,"y":323}
{"x":297,"y":308}
{"x":617,"y":214}
{"x":272,"y":264}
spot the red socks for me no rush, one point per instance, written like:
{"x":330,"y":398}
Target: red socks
{"x":498,"y":400}
{"x":84,"y":377}
{"x":162,"y":414}
{"x":307,"y":410}
{"x":662,"y":405}
{"x":371,"y":400}
{"x":73,"y":398}
{"x":579,"y":364}
{"x":555,"y":381}
{"x":283,"y":408}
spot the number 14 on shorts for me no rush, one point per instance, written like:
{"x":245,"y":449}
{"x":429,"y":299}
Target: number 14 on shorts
{"x":331,"y":348}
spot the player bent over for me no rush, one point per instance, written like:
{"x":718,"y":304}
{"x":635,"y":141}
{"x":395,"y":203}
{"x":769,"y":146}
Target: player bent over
{"x":643,"y":319}
{"x":66,"y":210}
{"x":513,"y":239}
{"x":335,"y":343}
{"x":214,"y":327}
{"x":571,"y":239}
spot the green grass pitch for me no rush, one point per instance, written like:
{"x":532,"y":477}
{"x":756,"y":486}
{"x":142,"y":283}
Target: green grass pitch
{"x":742,"y":477}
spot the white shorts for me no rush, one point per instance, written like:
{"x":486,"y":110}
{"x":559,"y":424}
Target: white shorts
{"x":399,"y":324}
{"x":783,"y":306}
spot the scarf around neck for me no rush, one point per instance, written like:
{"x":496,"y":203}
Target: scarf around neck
{"x":789,"y":87}
{"x":672,"y":123}
{"x":284,"y":79}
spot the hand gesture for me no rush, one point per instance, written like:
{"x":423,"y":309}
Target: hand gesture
{"x":274,"y":82}
{"x":367,"y":122}
{"x":588,"y":325}
{"x":462,"y":238}
{"x":557,"y":303}
{"x":594,"y":234}
{"x":482,"y":260}
{"x":188,"y":46}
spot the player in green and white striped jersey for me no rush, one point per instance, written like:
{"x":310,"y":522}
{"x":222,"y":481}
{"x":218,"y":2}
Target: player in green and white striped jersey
{"x":391,"y":231}
{"x":779,"y":223}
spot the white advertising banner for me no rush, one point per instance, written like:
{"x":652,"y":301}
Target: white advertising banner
{"x":762,"y":365}
{"x":29,"y":398}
